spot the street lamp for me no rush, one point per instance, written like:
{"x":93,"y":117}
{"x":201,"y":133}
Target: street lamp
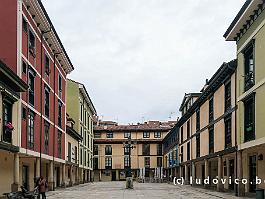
{"x":128,"y":171}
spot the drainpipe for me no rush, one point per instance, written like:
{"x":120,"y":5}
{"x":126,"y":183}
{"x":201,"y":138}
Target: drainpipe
{"x":236,"y":145}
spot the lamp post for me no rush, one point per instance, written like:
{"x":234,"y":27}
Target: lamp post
{"x":128,"y":171}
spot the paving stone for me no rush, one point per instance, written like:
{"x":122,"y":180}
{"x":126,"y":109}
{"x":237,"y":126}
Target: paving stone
{"x":116,"y":190}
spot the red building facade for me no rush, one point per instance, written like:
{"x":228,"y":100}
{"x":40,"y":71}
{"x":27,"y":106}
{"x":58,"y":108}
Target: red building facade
{"x":32,"y":49}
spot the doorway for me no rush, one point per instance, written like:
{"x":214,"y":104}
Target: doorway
{"x":113,"y":176}
{"x":25,"y":176}
{"x":232,"y":174}
{"x":57,"y":177}
{"x":252,"y":173}
{"x":203,"y":174}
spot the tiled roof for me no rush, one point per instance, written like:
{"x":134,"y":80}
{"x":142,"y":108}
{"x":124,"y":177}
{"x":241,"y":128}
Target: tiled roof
{"x":148,"y":126}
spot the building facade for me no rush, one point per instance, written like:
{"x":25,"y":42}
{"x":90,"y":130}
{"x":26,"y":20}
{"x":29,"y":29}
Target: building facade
{"x":33,"y":51}
{"x":248,"y":31}
{"x":10,"y":88}
{"x":82,"y":111}
{"x":170,"y":153}
{"x":207,"y":141}
{"x":111,"y":159}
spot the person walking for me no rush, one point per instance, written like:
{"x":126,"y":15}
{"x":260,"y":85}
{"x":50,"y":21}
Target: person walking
{"x":43,"y":187}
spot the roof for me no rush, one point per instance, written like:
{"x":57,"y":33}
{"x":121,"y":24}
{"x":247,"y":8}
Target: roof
{"x":161,"y":126}
{"x":42,"y":17}
{"x":86,"y":95}
{"x":214,"y":83}
{"x":242,"y":18}
{"x":187,"y":97}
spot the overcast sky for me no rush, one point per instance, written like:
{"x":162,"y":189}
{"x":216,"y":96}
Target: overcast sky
{"x":137,"y":58}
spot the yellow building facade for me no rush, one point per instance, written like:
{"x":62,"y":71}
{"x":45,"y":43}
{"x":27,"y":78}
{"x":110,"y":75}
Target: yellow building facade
{"x":111,"y":158}
{"x":206,"y":134}
{"x":248,"y":30}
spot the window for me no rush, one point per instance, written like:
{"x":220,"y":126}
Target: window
{"x":159,"y":149}
{"x":228,"y":134}
{"x":69,"y":152}
{"x":188,"y":129}
{"x":47,"y":65}
{"x":24,"y":67}
{"x":227,"y":96}
{"x":32,"y":43}
{"x":46,"y":137}
{"x":60,"y":90}
{"x":249,"y":119}
{"x":157,"y":134}
{"x":181,"y":134}
{"x":188,"y":151}
{"x":198,"y":119}
{"x":159,"y":161}
{"x":146,"y":134}
{"x":249,"y":67}
{"x":97,"y":135}
{"x":31,"y":130}
{"x":109,"y":134}
{"x":7,"y":113}
{"x":146,"y":149}
{"x":24,"y":113}
{"x":31,"y":89}
{"x":198,"y":145}
{"x":85,"y":155}
{"x":76,"y":154}
{"x":181,"y":153}
{"x":81,"y":156}
{"x":211,"y":140}
{"x":126,"y":161}
{"x":108,"y":150}
{"x":126,"y":150}
{"x":46,"y":101}
{"x":81,"y":112}
{"x":25,"y":25}
{"x":59,"y":141}
{"x":88,"y":140}
{"x":108,"y":162}
{"x":211,"y":117}
{"x":147,"y":161}
{"x":60,"y":114}
{"x":95,"y":150}
{"x":127,"y":134}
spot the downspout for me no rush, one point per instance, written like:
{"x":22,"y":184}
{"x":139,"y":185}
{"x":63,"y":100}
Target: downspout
{"x":41,"y":107}
{"x":236,"y":186}
{"x":54,"y":117}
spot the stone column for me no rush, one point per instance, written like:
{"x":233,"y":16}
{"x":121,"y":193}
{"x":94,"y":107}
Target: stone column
{"x":206,"y":171}
{"x":117,"y":175}
{"x":63,"y":175}
{"x":99,"y":175}
{"x":220,"y":186}
{"x":228,"y":174}
{"x":14,"y":186}
{"x":241,"y":191}
{"x":50,"y":176}
{"x":71,"y":175}
{"x":37,"y":167}
{"x":186,"y":174}
{"x":193,"y":170}
{"x":180,"y":172}
{"x":77,"y":175}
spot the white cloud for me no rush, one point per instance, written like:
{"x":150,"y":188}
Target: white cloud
{"x":137,"y":58}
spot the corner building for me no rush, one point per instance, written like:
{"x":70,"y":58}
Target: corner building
{"x":81,"y":109}
{"x":248,"y":31}
{"x":32,"y":49}
{"x":207,"y":141}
